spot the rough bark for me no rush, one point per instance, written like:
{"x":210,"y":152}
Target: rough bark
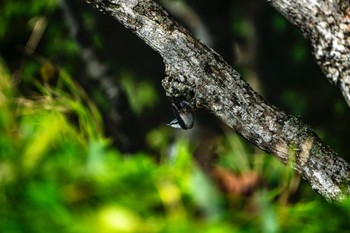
{"x":203,"y":78}
{"x":327,"y":24}
{"x":186,"y":14}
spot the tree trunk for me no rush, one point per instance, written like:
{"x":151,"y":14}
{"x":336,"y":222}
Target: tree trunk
{"x":327,"y":24}
{"x":201,"y":76}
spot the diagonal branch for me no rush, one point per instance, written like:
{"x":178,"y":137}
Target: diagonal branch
{"x":327,"y":24}
{"x":203,"y":78}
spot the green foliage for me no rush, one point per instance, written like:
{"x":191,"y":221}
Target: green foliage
{"x":279,"y":23}
{"x":59,"y":173}
{"x":57,"y":176}
{"x":20,"y":9}
{"x":299,"y":51}
{"x":294,"y":101}
{"x":141,"y":94}
{"x":241,"y":27}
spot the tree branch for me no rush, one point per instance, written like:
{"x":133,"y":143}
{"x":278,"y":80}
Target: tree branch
{"x":327,"y":24}
{"x":204,"y":79}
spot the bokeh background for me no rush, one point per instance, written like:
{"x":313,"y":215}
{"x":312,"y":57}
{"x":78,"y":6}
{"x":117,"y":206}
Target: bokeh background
{"x":83,"y":141}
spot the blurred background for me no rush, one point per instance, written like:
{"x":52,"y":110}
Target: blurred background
{"x":84,"y":145}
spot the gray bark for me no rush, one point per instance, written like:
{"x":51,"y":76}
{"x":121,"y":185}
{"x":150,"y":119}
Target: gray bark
{"x":327,"y":24}
{"x":204,"y":79}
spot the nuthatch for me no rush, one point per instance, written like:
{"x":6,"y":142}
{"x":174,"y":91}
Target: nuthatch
{"x":184,"y":118}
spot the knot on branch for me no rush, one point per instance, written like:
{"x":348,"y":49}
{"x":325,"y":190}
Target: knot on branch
{"x":177,"y":85}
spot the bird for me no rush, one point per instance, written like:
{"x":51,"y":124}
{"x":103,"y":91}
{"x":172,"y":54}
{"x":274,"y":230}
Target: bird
{"x":184,"y":118}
